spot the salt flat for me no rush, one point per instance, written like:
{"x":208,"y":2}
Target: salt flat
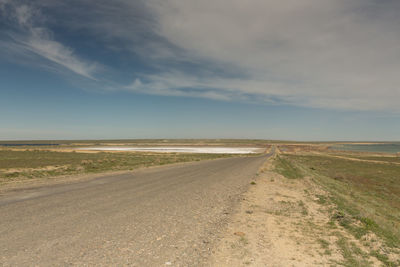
{"x":212,"y":150}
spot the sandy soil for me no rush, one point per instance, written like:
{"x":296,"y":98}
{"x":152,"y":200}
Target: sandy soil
{"x":280,"y":223}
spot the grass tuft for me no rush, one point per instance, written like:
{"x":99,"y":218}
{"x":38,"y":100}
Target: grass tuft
{"x":286,"y":168}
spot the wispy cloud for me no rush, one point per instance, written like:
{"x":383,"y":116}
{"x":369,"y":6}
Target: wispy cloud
{"x":27,"y":37}
{"x":335,"y":54}
{"x":40,"y":44}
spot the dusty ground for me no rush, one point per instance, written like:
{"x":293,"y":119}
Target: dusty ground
{"x":284,"y":222}
{"x":161,"y":216}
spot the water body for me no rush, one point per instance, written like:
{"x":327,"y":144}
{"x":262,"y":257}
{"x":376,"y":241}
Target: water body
{"x":382,"y":148}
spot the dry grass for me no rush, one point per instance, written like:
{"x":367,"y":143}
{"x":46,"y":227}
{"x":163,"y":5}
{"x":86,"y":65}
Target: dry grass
{"x":366,"y":196}
{"x":19,"y":165}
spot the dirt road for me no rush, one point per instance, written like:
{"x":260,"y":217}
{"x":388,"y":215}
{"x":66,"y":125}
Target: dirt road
{"x":156,"y":217}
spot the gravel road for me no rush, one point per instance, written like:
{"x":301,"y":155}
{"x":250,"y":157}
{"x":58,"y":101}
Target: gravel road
{"x":164,"y":216}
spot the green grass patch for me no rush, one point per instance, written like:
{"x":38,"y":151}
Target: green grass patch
{"x":384,"y":259}
{"x":352,"y":255}
{"x":285,"y":167}
{"x":322,"y":199}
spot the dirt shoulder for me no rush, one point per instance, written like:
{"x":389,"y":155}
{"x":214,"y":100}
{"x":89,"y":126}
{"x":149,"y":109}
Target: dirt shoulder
{"x":287,"y":222}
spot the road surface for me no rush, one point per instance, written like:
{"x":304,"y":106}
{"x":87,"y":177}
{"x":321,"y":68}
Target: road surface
{"x":164,"y":216}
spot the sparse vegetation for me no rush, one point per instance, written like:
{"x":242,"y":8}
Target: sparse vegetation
{"x":367,"y":194}
{"x":321,"y":199}
{"x":351,"y":254}
{"x":366,"y":197}
{"x":26,"y":164}
{"x":286,"y":168}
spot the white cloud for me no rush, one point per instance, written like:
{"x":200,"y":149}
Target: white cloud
{"x":320,"y":53}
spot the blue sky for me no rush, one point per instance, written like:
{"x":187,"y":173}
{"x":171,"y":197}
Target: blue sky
{"x":298,"y":70}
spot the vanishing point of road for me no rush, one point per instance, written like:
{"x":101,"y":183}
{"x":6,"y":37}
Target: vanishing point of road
{"x":169,"y":215}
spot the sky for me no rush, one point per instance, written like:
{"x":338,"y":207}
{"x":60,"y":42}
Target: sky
{"x":260,"y":69}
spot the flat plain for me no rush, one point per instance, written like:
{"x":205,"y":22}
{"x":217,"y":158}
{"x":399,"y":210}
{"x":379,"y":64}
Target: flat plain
{"x":296,"y":204}
{"x":311,"y":206}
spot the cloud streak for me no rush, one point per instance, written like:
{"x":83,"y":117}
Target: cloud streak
{"x":29,"y":38}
